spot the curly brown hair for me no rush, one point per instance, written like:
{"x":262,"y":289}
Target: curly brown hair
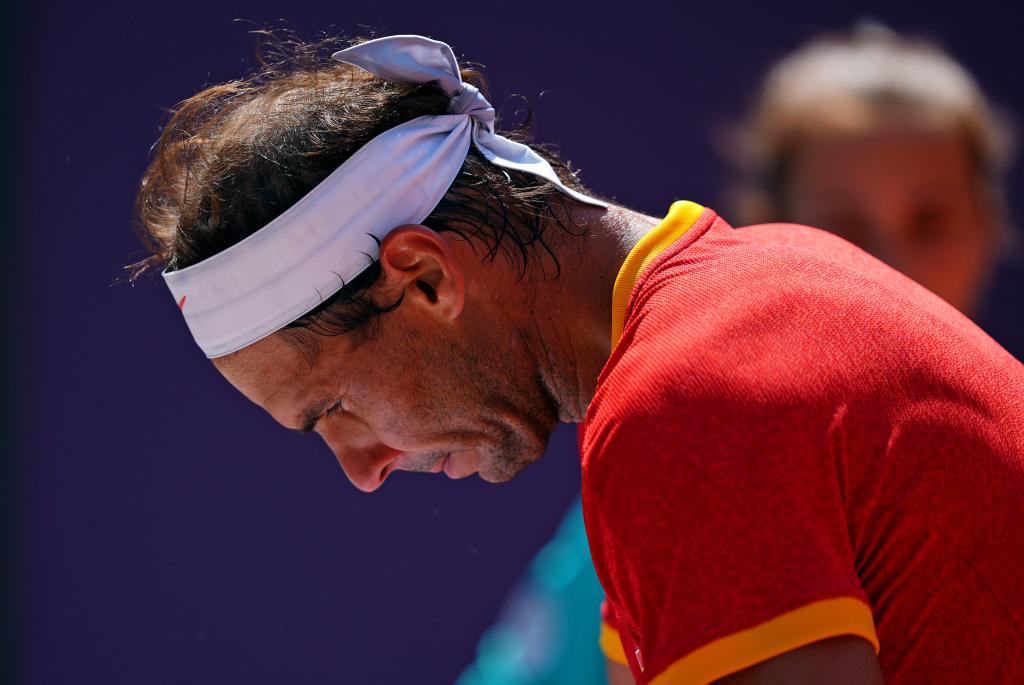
{"x":234,"y":156}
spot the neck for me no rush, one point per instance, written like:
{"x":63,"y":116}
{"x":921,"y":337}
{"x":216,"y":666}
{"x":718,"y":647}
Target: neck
{"x":572,"y":313}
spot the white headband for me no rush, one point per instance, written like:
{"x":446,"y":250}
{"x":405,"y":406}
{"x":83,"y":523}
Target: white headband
{"x":309,"y":252}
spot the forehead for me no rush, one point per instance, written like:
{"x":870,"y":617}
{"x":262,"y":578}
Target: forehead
{"x":272,"y":371}
{"x":888,"y":160}
{"x":935,"y":152}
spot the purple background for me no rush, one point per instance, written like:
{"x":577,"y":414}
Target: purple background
{"x":161,"y":529}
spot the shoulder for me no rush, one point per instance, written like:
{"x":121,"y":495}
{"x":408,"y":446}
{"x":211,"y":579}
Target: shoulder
{"x":781,"y":306}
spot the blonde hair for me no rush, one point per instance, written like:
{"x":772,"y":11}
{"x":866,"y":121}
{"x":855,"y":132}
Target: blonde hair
{"x":870,"y":77}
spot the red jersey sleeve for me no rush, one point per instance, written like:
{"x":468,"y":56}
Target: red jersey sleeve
{"x":719,"y":547}
{"x":611,"y":640}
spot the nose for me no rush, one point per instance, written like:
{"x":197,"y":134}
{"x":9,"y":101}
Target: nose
{"x":367,"y":470}
{"x":365,"y":460}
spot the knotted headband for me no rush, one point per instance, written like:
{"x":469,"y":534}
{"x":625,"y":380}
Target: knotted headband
{"x":323,"y":241}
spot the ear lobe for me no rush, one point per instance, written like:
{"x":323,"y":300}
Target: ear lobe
{"x":421,"y":265}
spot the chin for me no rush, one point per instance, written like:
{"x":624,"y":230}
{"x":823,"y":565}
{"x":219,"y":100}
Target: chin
{"x":504,"y":473}
{"x":522,"y":443}
{"x":506,"y":465}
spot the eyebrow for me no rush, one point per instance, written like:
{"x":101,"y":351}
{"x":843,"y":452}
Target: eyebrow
{"x":311,"y":416}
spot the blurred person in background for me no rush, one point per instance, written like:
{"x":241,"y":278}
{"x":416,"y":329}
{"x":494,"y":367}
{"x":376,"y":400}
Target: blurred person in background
{"x":880,"y":138}
{"x":888,"y":142}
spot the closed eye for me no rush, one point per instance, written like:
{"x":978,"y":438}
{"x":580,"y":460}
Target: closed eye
{"x":317,"y":412}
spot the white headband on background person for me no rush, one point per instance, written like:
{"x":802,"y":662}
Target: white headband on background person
{"x":323,"y":241}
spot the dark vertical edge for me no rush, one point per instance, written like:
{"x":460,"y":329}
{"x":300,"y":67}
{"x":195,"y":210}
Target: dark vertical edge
{"x":13,"y":470}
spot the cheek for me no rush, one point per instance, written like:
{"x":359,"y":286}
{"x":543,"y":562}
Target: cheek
{"x":426,"y":382}
{"x":415,"y":402}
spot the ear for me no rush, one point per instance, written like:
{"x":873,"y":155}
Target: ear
{"x":423,"y":267}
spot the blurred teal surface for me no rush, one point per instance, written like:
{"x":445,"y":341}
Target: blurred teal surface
{"x":548,"y":630}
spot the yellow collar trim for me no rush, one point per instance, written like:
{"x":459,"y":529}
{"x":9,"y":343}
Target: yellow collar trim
{"x":680,"y":218}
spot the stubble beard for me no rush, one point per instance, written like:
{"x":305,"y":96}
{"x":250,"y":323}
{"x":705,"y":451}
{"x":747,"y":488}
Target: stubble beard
{"x":509,"y":460}
{"x":515,"y":411}
{"x":524,"y":417}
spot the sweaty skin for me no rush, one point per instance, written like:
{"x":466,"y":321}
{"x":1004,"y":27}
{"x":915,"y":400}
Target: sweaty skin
{"x":472,"y":372}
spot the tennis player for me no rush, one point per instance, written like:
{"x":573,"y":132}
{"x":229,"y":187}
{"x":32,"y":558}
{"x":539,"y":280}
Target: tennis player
{"x":798,"y":465}
{"x":881,"y":138}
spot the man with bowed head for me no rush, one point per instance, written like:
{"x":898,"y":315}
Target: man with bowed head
{"x":881,"y":138}
{"x":798,"y":465}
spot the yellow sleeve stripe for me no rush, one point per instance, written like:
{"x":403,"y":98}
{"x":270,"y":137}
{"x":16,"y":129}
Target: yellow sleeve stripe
{"x":611,"y":645}
{"x":681,"y":216}
{"x":800,"y":627}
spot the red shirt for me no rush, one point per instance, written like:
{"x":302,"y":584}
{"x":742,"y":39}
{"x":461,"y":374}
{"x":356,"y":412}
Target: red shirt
{"x":792,"y":441}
